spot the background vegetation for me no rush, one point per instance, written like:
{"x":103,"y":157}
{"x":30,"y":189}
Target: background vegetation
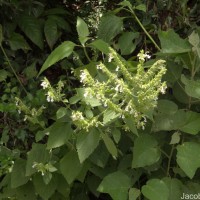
{"x":58,"y":142}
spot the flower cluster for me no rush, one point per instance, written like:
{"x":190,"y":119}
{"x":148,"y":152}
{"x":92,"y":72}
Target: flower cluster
{"x":53,"y":94}
{"x":127,"y":94}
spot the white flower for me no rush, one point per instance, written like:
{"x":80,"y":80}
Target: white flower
{"x":83,"y":76}
{"x":117,"y":69}
{"x":50,"y":97}
{"x":110,"y":57}
{"x":163,"y":89}
{"x":45,"y":84}
{"x":99,"y":67}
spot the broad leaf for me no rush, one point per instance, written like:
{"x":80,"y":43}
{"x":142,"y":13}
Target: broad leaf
{"x":116,"y":185}
{"x":37,"y":154}
{"x":131,"y":125}
{"x":175,"y":138}
{"x":175,"y":188}
{"x":110,"y":26}
{"x":188,"y":157}
{"x":172,"y":43}
{"x":109,"y":116}
{"x":141,"y":7}
{"x":44,"y":190}
{"x":82,"y":30}
{"x":192,"y":88}
{"x":155,"y":189}
{"x":51,"y":32}
{"x":18,"y":177}
{"x":70,"y":166}
{"x":62,"y":51}
{"x":126,"y":44}
{"x":31,"y":26}
{"x":145,"y":151}
{"x":101,"y":46}
{"x":109,"y":145}
{"x":59,"y":134}
{"x":167,"y":107}
{"x":134,"y":193}
{"x":17,"y":41}
{"x":87,"y":143}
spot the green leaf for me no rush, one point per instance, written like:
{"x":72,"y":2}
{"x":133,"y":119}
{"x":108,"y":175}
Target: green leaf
{"x":192,"y":88}
{"x":17,"y":41}
{"x":1,"y":34}
{"x":175,"y":138}
{"x":37,"y":154}
{"x":51,"y":32}
{"x":61,"y":112}
{"x":194,"y":39}
{"x":156,"y":189}
{"x":145,"y":151}
{"x":131,"y":124}
{"x":126,"y":3}
{"x":44,"y":190}
{"x":62,"y":51}
{"x":3,"y":75}
{"x":134,"y":193}
{"x":116,"y":185}
{"x":31,"y":26}
{"x":126,"y":44}
{"x":101,"y":46}
{"x":110,"y":26}
{"x":116,"y":134}
{"x":87,"y":143}
{"x":82,"y":30}
{"x":109,"y":116}
{"x":175,"y":188}
{"x":59,"y":134}
{"x":188,"y":157}
{"x":167,"y":107}
{"x":141,"y":7}
{"x":171,"y":42}
{"x":18,"y":177}
{"x":70,"y":166}
{"x":109,"y":145}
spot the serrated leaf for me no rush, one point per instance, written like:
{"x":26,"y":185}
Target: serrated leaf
{"x":87,"y":143}
{"x":17,"y":41}
{"x":59,"y":134}
{"x":145,"y":151}
{"x":192,"y":88}
{"x":44,"y":190}
{"x":62,"y":51}
{"x":109,"y":145}
{"x":126,"y":44}
{"x":109,"y":115}
{"x":172,"y":43}
{"x":188,"y":157}
{"x":51,"y":32}
{"x":116,"y":185}
{"x":101,"y":46}
{"x":37,"y":154}
{"x":82,"y":30}
{"x":141,"y":7}
{"x":155,"y":189}
{"x":18,"y":177}
{"x":131,"y":124}
{"x":32,"y":28}
{"x":110,"y":26}
{"x":70,"y":166}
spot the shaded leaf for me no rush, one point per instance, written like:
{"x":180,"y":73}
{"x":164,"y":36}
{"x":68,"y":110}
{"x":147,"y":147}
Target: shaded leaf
{"x":32,"y":28}
{"x":70,"y":166}
{"x":188,"y":157}
{"x":110,"y":26}
{"x":172,"y":43}
{"x":175,"y":138}
{"x":141,"y":7}
{"x":62,"y":51}
{"x":87,"y":143}
{"x":116,"y":185}
{"x":134,"y":193}
{"x":1,"y":34}
{"x":59,"y":134}
{"x":145,"y":151}
{"x":155,"y":189}
{"x":101,"y":46}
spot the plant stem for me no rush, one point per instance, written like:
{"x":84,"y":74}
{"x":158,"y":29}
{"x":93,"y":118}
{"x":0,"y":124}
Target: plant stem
{"x":86,"y":54}
{"x":10,"y":65}
{"x":169,"y":161}
{"x":141,"y":25}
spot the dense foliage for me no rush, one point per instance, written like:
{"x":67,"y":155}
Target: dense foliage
{"x":99,"y":100}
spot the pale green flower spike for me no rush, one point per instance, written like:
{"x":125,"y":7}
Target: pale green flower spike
{"x":127,"y":94}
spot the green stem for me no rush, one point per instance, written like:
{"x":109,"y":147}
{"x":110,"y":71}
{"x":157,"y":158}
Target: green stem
{"x":10,"y":65}
{"x":86,"y":54}
{"x":169,"y":161}
{"x":141,"y":25}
